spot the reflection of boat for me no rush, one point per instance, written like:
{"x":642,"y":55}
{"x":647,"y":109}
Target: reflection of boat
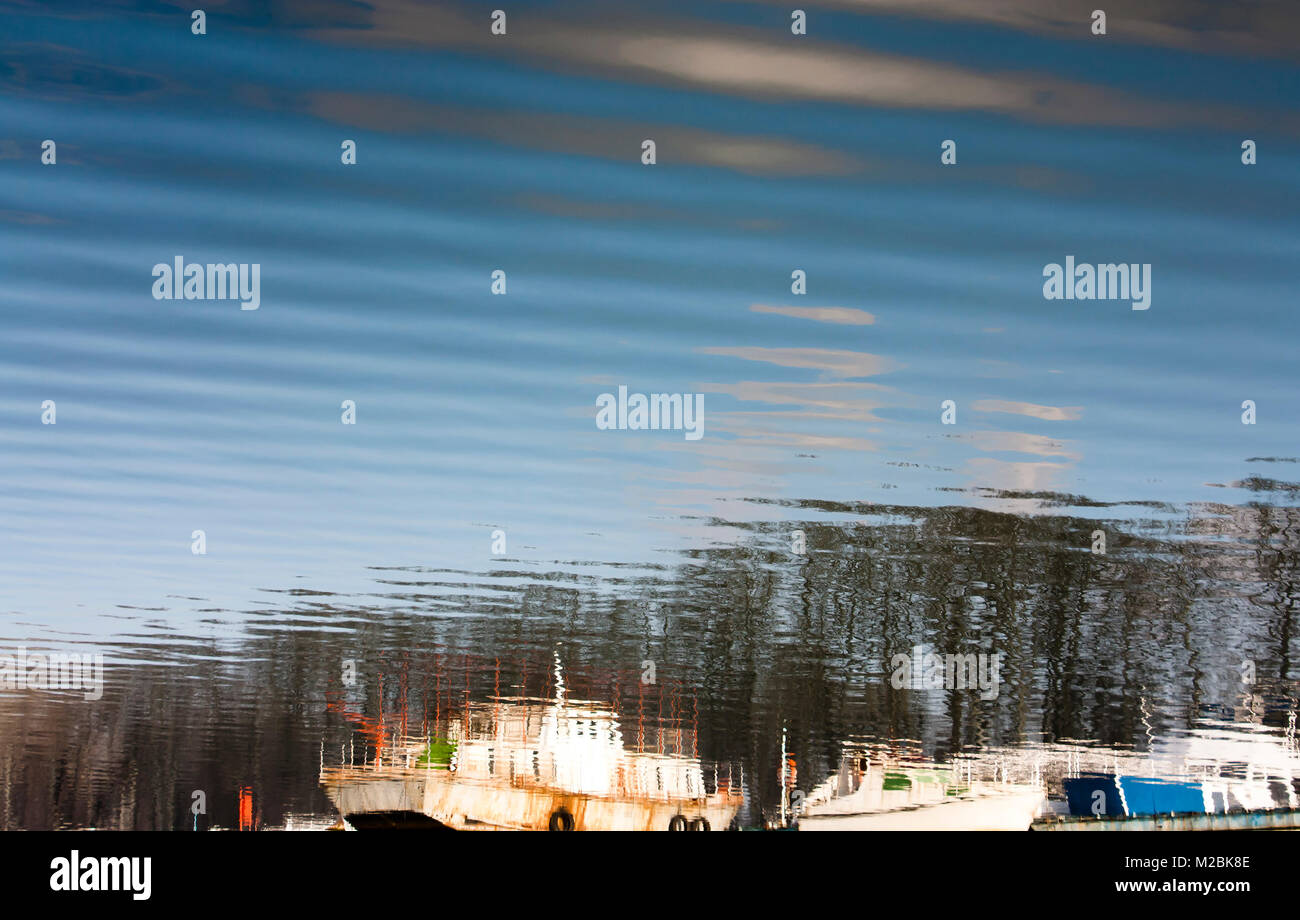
{"x":879,"y":794}
{"x":1215,"y":779}
{"x":1108,"y":795}
{"x":528,"y":764}
{"x":1107,"y":801}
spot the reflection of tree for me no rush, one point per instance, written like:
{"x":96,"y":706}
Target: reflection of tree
{"x":746,"y":639}
{"x":1277,"y":558}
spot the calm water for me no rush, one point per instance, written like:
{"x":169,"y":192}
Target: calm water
{"x":373,"y":543}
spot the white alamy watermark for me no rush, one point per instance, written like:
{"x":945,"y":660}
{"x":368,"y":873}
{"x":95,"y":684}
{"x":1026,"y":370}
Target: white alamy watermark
{"x":1107,"y":281}
{"x":23,"y":671}
{"x":75,"y":872}
{"x":240,"y":281}
{"x":929,"y":671}
{"x":658,"y":411}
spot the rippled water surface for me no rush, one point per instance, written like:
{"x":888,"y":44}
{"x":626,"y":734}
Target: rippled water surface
{"x":649,"y":619}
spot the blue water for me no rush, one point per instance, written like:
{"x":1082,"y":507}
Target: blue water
{"x":475,"y":411}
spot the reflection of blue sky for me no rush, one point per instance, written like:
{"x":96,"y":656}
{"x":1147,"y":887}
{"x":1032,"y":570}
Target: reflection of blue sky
{"x":475,"y":411}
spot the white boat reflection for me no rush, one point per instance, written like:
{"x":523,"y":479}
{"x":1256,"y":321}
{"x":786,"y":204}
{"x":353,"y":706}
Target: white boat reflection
{"x":886,"y":793}
{"x":1215,"y":775}
{"x":519,"y":763}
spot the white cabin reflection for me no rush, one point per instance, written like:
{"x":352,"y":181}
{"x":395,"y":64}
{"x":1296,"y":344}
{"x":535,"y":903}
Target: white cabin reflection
{"x":527,"y":763}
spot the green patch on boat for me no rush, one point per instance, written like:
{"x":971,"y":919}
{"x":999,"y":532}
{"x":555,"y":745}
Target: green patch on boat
{"x":897,"y":781}
{"x":437,"y":754}
{"x":905,"y":779}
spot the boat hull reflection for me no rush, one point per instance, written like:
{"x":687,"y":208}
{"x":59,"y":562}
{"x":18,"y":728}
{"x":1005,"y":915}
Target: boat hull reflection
{"x":881,"y":795}
{"x":530,"y":765}
{"x":367,"y":802}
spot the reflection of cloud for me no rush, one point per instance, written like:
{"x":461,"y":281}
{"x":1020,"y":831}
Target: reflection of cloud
{"x":1020,"y":443}
{"x":765,"y":68}
{"x":1002,"y":474}
{"x":772,"y":438}
{"x":1046,"y":413}
{"x":1261,"y":27}
{"x":753,"y":63}
{"x":830,"y":361}
{"x":809,"y":405}
{"x":827,"y":400}
{"x":29,"y":218}
{"x":573,"y":134}
{"x":51,"y":71}
{"x":844,"y":315}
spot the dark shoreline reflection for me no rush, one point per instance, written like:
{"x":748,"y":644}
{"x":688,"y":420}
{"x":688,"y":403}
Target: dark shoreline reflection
{"x":1134,"y":651}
